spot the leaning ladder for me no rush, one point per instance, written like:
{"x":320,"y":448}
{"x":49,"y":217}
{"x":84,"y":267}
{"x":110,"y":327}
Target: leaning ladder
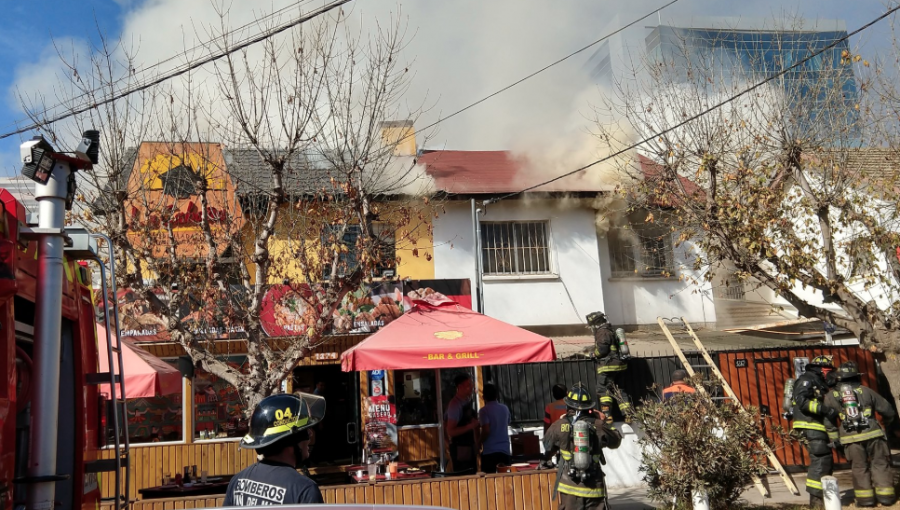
{"x":788,"y":481}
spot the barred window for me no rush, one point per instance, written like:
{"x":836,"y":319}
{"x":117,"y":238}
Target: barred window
{"x":515,"y":248}
{"x":640,"y":249}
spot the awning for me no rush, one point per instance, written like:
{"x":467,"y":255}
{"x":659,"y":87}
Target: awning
{"x":446,"y":335}
{"x":145,"y":374}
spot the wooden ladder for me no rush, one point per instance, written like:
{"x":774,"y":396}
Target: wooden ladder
{"x":788,"y":481}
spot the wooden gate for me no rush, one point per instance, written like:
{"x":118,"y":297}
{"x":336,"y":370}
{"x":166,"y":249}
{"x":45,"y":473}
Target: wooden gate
{"x":758,"y":377}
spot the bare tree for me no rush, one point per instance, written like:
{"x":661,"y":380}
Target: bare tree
{"x":291,"y":175}
{"x":791,"y":185}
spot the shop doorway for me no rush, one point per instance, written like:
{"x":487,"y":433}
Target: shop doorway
{"x":337,"y":437}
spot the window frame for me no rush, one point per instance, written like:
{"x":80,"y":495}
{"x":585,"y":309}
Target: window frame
{"x":517,"y":272}
{"x":619,"y":251}
{"x":378,"y":229}
{"x":184,"y":410}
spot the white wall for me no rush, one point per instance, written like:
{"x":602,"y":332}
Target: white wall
{"x":637,"y":300}
{"x":575,"y":289}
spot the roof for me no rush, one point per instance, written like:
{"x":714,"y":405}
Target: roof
{"x":653,"y":172}
{"x":304,"y":172}
{"x":490,"y":172}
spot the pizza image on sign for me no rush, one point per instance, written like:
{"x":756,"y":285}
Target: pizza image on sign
{"x":286,"y":312}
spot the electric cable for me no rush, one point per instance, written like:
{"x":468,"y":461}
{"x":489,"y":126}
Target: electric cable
{"x":171,"y":58}
{"x":702,"y":113}
{"x":194,"y":65}
{"x":541,"y":70}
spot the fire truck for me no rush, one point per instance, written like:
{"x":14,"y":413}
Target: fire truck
{"x":52,"y":424}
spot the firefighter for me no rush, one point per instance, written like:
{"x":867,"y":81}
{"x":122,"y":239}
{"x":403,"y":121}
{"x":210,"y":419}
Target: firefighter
{"x":809,"y":413}
{"x":861,"y":437}
{"x":579,"y":478}
{"x":610,"y":364}
{"x":279,"y":433}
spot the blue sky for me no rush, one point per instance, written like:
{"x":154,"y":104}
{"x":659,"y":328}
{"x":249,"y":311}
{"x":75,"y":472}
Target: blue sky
{"x":460,"y":51}
{"x":27,"y":32}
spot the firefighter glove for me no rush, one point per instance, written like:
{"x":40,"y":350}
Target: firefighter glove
{"x":831,"y":414}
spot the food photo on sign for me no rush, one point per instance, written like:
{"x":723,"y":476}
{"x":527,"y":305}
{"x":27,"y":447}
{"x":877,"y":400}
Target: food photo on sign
{"x":381,"y":426}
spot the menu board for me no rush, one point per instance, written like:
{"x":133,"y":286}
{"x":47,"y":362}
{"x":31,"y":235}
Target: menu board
{"x":381,"y":426}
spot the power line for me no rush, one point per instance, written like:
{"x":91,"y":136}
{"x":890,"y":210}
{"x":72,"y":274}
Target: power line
{"x":196,"y":64}
{"x":541,"y":70}
{"x":702,"y":113}
{"x":173,"y":57}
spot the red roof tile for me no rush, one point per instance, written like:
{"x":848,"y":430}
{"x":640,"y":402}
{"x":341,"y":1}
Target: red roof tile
{"x":488,"y":172}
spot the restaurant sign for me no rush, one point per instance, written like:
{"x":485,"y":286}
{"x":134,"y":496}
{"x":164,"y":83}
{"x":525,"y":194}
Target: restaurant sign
{"x":287,"y":310}
{"x":381,"y":426}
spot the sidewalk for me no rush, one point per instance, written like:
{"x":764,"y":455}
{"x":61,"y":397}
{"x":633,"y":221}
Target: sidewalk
{"x":636,"y":498}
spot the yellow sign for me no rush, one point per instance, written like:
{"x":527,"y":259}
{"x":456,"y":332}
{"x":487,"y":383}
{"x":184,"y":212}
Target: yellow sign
{"x":448,"y":335}
{"x":453,"y":355}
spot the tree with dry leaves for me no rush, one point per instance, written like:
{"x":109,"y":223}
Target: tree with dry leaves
{"x":790,"y":187}
{"x":278,"y":164}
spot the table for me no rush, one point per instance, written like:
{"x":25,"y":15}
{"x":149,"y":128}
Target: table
{"x":220,"y":486}
{"x":399,"y":477}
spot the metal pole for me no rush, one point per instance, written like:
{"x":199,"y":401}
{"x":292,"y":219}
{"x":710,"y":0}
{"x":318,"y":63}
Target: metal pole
{"x":120,"y":427}
{"x":479,"y":270}
{"x":51,"y":199}
{"x":440,"y":408}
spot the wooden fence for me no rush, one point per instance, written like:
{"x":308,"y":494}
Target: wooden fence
{"x":758,"y":378}
{"x":519,"y":491}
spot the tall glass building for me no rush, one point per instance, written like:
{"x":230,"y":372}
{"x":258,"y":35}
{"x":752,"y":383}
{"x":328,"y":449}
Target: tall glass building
{"x":823,"y":87}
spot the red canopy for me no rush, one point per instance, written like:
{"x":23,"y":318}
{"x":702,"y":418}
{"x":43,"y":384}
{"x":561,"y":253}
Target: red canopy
{"x":145,"y":374}
{"x":446,"y":335}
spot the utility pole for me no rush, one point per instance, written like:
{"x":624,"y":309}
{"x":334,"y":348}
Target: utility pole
{"x":54,"y":175}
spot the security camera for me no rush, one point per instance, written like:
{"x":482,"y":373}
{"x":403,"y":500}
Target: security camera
{"x":89,"y":148}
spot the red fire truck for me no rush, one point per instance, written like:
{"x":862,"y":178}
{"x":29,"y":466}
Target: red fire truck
{"x":60,"y":420}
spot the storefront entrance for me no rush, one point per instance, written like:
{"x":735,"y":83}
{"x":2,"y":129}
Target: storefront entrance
{"x":337,"y":437}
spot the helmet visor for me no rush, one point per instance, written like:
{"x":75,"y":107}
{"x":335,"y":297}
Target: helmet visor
{"x":315,"y":406}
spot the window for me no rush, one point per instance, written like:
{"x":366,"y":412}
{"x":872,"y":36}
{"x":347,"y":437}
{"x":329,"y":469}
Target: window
{"x":515,"y":248}
{"x":641,"y":249}
{"x":383,"y":235}
{"x":150,"y":420}
{"x":218,"y":409}
{"x":416,"y":397}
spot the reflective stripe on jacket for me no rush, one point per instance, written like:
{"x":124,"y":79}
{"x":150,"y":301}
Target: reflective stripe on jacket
{"x":807,"y":400}
{"x":869,"y":403}
{"x":559,"y":438}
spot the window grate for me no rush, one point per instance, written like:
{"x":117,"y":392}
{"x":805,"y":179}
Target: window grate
{"x":515,"y":248}
{"x":641,"y":250}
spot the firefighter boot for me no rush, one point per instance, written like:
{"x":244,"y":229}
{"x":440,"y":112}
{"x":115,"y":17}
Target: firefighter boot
{"x":816,"y":501}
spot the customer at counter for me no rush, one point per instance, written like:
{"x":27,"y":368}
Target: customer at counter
{"x":461,"y":425}
{"x":494,"y":419}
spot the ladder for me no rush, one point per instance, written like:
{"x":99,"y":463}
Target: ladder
{"x":788,"y":481}
{"x":84,"y":247}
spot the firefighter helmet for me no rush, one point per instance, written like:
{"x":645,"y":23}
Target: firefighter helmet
{"x":848,"y":370}
{"x":596,"y":319}
{"x":822,"y":361}
{"x":279,"y":417}
{"x":579,"y":398}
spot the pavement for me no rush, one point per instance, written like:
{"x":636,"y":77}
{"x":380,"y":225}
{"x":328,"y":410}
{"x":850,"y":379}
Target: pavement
{"x":636,"y":498}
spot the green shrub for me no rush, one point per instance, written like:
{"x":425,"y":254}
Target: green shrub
{"x":694,"y":442}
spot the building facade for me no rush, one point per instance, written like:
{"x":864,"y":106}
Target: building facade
{"x":550,"y":257}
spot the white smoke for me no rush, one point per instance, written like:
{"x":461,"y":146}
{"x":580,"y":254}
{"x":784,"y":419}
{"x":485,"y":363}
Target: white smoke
{"x":459,"y":52}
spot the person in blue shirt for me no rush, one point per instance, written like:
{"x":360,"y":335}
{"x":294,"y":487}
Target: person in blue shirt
{"x":494,"y":420}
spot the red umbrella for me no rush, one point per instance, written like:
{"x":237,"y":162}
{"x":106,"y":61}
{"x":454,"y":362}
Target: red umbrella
{"x":443,"y":334}
{"x":145,"y":374}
